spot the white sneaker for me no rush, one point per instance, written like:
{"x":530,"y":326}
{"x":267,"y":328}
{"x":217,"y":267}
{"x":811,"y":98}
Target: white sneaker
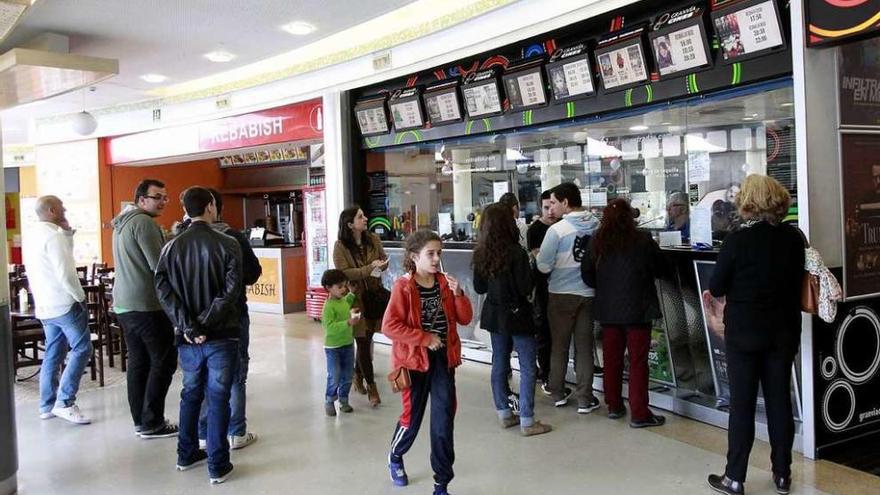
{"x":241,"y":441}
{"x":47,"y":415}
{"x":71,"y":414}
{"x":203,"y":444}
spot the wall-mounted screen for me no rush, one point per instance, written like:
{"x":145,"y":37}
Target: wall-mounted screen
{"x":570,"y":73}
{"x":372,"y":117}
{"x":680,"y":42}
{"x":443,"y":104}
{"x":525,"y":88}
{"x":482,"y":97}
{"x":747,"y":29}
{"x":623,"y":65}
{"x":406,"y":110}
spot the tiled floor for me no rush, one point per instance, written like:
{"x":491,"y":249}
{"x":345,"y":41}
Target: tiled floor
{"x":302,"y":451}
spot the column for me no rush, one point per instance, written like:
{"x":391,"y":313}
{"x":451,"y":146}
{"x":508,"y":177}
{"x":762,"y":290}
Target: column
{"x":8,"y":448}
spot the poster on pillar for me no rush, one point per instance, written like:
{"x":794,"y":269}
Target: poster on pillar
{"x":858,"y":83}
{"x":860,"y":181}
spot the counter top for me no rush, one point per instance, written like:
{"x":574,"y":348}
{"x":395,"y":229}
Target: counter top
{"x":277,"y":246}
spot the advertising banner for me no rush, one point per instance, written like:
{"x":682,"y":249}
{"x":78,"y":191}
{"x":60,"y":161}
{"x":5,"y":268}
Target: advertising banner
{"x":847,"y":373}
{"x":830,"y":21}
{"x":858,"y":83}
{"x":860,"y":182}
{"x":713,"y":321}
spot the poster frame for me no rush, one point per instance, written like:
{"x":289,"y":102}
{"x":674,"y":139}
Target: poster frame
{"x":742,"y":5}
{"x":534,"y":65}
{"x":376,"y":101}
{"x":559,"y":58}
{"x":405,"y":96}
{"x":606,"y":45}
{"x":698,"y":21}
{"x":483,"y":78}
{"x":443,"y":88}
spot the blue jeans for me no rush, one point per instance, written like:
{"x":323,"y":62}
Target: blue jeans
{"x":340,"y":368}
{"x":208,"y":371}
{"x":502,"y":346}
{"x":68,"y":330}
{"x":238,"y":399}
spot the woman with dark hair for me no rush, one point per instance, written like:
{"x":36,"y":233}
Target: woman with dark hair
{"x":759,"y":271}
{"x":621,"y":265}
{"x":359,"y":254}
{"x":503,"y":272}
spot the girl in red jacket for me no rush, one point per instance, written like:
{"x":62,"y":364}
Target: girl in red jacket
{"x":425,"y":307}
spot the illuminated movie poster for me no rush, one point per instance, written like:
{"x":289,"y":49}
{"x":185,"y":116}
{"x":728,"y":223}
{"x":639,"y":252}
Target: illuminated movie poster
{"x":858,"y":83}
{"x":860,"y":179}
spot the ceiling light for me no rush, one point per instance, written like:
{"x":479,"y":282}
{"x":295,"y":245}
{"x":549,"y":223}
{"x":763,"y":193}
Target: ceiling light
{"x":639,"y":128}
{"x":154,"y":78}
{"x":665,"y":123}
{"x":787,"y":104}
{"x":747,"y":119}
{"x":299,"y":28}
{"x":220,"y":56}
{"x":84,"y":123}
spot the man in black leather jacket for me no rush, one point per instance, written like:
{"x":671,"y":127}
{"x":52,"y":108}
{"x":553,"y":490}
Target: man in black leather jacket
{"x":199,"y":283}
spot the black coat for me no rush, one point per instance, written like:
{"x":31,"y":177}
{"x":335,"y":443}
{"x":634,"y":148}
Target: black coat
{"x":624,"y":282}
{"x":507,"y":309}
{"x":760,"y":270}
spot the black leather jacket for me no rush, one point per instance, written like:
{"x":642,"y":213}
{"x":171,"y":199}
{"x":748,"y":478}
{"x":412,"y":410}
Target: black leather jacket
{"x":199,"y":282}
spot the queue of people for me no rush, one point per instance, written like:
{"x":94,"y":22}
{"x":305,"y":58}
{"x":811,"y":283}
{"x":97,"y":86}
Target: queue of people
{"x":183,"y":301}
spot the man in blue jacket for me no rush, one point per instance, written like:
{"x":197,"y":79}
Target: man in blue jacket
{"x":570,"y":302}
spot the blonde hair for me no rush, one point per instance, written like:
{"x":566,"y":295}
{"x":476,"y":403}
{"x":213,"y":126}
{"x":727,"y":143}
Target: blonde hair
{"x":762,"y":198}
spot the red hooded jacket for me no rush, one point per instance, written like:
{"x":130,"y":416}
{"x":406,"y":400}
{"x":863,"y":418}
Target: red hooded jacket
{"x":403,"y":324}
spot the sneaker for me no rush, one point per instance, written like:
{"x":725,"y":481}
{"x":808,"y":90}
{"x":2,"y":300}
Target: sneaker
{"x":72,"y":414}
{"x":167,"y":430}
{"x":783,"y":484}
{"x":616,"y":413}
{"x":240,"y":441}
{"x":137,"y":430}
{"x":510,"y":421}
{"x":203,"y":444}
{"x":513,"y":402}
{"x":565,"y":396}
{"x":589,"y":406}
{"x":723,"y":484}
{"x":598,"y":370}
{"x":653,"y":420}
{"x":199,"y":457}
{"x":441,"y":490}
{"x":330,"y":409}
{"x":47,"y":415}
{"x":537,"y":428}
{"x":345,"y":407}
{"x":221,"y":476}
{"x":398,"y":473}
{"x":545,"y":389}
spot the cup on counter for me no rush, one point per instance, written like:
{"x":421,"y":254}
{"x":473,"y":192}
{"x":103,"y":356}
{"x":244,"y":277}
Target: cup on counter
{"x":355,"y":314}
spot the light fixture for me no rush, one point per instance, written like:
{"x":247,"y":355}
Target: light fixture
{"x":220,"y":56}
{"x":154,"y":78}
{"x":639,"y":128}
{"x":84,"y":123}
{"x":665,"y":123}
{"x":786,"y":104}
{"x":299,"y":28}
{"x":748,"y":119}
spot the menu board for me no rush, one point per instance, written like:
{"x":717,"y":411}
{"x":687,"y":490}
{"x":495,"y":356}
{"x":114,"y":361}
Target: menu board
{"x":482,"y":99}
{"x":571,"y":78}
{"x":623,"y":65}
{"x":749,"y":29}
{"x":525,"y":89}
{"x":372,"y":120}
{"x":680,"y":50}
{"x":443,"y":106}
{"x":407,"y":115}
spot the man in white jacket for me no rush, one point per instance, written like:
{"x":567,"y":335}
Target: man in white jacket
{"x":59,"y":303}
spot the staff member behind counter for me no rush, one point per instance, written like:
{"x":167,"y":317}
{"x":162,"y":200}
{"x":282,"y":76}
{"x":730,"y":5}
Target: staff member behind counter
{"x":678,"y":214}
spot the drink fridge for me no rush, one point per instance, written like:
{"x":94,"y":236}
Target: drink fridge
{"x":316,"y":249}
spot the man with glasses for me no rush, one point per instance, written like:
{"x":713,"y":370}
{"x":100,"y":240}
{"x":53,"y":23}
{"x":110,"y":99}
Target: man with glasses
{"x":149,"y":335}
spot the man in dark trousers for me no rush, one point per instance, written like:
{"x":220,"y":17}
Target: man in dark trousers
{"x":534,"y":237}
{"x":239,"y":436}
{"x":199,"y":284}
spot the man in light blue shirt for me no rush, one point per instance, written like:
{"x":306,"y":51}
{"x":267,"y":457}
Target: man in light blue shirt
{"x":570,"y":303}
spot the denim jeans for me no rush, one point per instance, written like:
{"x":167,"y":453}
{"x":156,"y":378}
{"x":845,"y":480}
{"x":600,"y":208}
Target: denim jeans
{"x":208,"y":371}
{"x":68,"y":330}
{"x":502,"y":346}
{"x":340,"y":368}
{"x":238,"y":399}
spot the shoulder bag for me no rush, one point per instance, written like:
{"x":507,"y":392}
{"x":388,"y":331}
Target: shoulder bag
{"x":399,"y":378}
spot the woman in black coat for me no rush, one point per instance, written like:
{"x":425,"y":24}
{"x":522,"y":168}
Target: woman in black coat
{"x":759,"y":271}
{"x":502,"y":271}
{"x":621,"y":265}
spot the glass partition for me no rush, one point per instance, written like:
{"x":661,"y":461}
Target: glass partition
{"x":681,"y":160}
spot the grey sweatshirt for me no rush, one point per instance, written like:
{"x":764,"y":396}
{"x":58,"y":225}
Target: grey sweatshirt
{"x":137,"y":242}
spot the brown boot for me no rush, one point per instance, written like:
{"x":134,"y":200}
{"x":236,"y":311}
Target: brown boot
{"x":373,"y":395}
{"x":358,"y":382}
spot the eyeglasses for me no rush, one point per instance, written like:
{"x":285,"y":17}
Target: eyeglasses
{"x":158,"y":197}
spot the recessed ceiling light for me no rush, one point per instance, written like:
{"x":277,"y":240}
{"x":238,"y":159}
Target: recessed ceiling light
{"x":748,"y":118}
{"x":787,"y":104}
{"x":639,"y":128}
{"x":154,"y":78}
{"x":220,"y":56}
{"x":665,"y":123}
{"x":298,"y":28}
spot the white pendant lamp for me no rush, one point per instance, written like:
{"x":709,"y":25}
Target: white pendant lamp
{"x":84,"y":123}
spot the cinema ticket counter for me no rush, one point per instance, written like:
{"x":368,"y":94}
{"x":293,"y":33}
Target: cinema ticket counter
{"x":281,"y":288}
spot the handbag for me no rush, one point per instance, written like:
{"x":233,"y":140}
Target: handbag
{"x":374,"y":301}
{"x":399,"y":379}
{"x":810,"y":293}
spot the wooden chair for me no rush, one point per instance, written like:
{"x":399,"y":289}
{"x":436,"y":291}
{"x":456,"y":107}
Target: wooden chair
{"x":95,"y":308}
{"x":114,"y":335}
{"x":27,"y":331}
{"x":96,"y":272}
{"x":83,"y":273}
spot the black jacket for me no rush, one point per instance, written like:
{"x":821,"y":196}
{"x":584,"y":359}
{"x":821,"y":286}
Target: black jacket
{"x":506,"y":309}
{"x":199,"y":282}
{"x":624,"y":282}
{"x":760,"y":270}
{"x":250,"y":265}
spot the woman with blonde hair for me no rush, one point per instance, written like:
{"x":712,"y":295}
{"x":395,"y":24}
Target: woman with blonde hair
{"x":759,"y":271}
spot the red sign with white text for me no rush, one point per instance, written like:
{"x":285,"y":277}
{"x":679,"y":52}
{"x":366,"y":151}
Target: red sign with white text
{"x":295,"y":122}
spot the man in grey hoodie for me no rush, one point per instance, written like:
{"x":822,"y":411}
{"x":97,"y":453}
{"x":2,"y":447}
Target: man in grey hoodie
{"x":149,"y":335}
